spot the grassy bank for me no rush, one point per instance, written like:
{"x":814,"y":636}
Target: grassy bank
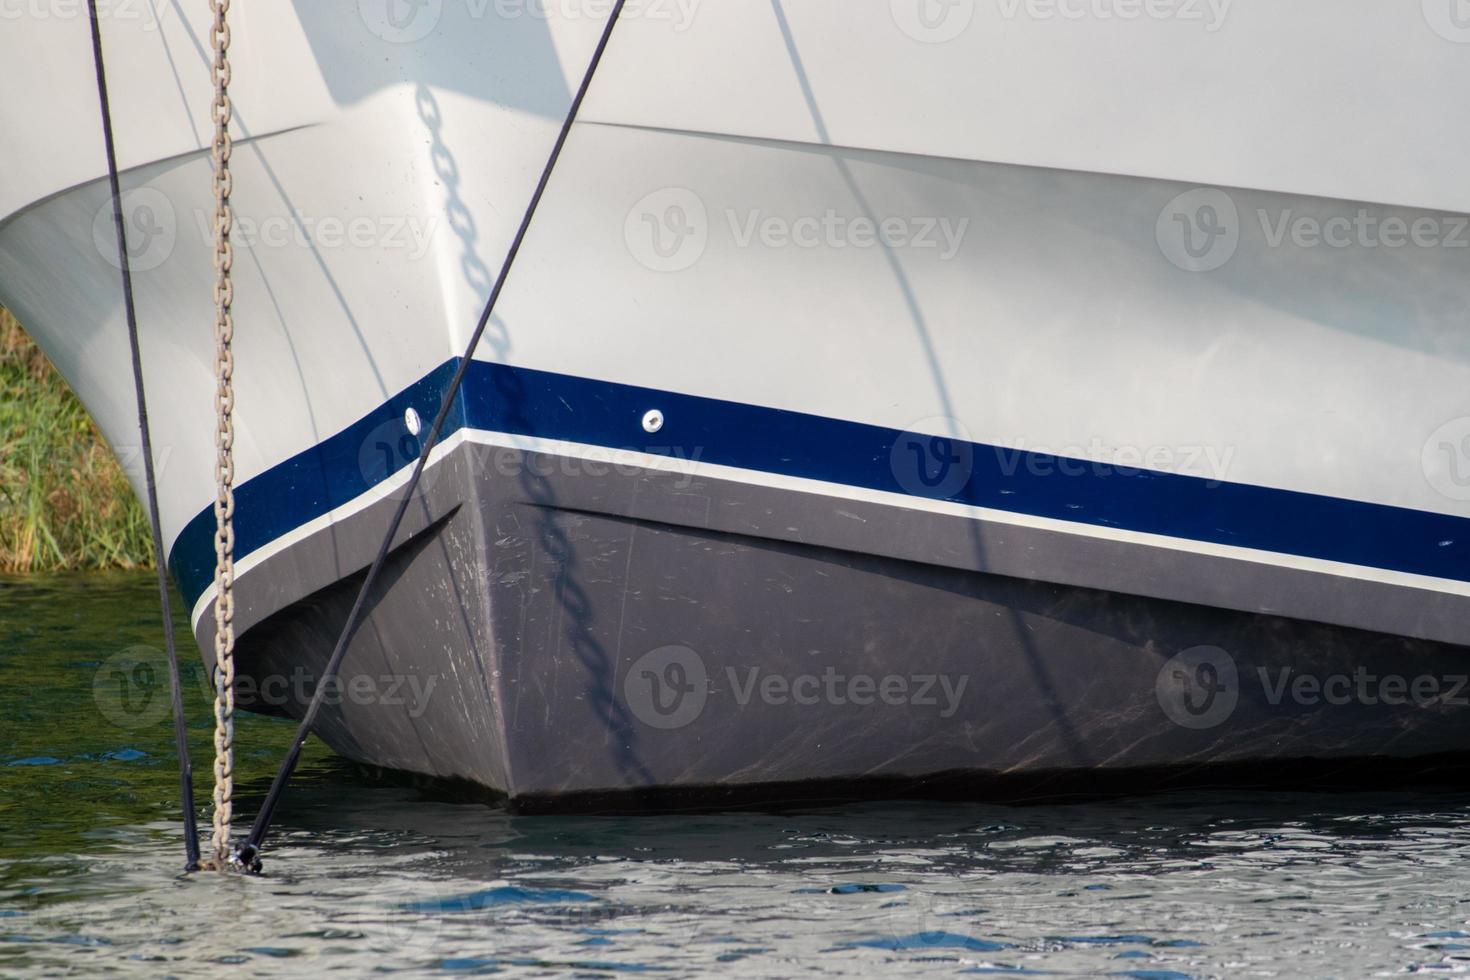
{"x":64,"y":502}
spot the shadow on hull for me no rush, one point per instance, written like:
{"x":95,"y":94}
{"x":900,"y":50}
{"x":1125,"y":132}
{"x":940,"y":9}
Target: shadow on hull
{"x":549,"y":649}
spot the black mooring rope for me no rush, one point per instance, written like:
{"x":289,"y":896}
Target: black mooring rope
{"x":247,"y":855}
{"x":181,"y":735}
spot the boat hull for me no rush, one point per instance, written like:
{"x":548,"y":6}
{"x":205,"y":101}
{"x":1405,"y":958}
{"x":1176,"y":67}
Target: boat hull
{"x":1061,"y":381}
{"x":551,"y":632}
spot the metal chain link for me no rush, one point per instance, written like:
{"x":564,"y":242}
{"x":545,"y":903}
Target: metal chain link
{"x":224,"y":441}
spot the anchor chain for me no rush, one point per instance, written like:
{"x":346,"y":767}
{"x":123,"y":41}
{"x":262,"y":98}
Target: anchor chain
{"x":224,"y":441}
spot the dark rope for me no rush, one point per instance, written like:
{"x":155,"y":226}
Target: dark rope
{"x":247,"y":855}
{"x":181,"y":735}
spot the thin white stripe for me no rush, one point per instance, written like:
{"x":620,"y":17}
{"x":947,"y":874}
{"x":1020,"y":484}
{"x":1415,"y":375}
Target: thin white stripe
{"x":630,"y":458}
{"x":244,"y":565}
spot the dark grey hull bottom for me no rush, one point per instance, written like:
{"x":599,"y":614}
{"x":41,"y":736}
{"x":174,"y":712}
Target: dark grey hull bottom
{"x":587,"y":638}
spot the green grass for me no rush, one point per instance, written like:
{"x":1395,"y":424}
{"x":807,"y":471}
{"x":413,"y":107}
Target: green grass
{"x":64,"y":501}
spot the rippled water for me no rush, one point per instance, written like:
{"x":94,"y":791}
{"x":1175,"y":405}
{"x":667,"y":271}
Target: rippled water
{"x":369,"y":875}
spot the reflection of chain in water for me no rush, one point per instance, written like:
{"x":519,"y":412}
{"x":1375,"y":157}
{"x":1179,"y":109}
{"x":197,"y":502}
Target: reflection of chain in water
{"x":537,"y":488}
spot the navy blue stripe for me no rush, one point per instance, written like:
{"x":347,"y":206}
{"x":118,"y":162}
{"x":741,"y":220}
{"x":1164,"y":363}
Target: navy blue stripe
{"x":552,"y":406}
{"x":334,"y":472}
